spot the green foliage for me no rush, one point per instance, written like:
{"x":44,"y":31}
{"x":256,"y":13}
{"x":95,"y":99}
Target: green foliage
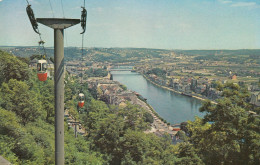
{"x":97,"y":111}
{"x":157,"y":71}
{"x":188,"y":156}
{"x":123,"y":87}
{"x":231,"y":139}
{"x":77,"y":151}
{"x":118,"y":133}
{"x":12,"y":68}
{"x":133,"y":117}
{"x":72,"y":107}
{"x":27,"y":125}
{"x":96,"y":72}
{"x":37,"y":56}
{"x":148,"y":117}
{"x":17,"y":97}
{"x":26,"y":60}
{"x":6,"y":147}
{"x":9,"y":123}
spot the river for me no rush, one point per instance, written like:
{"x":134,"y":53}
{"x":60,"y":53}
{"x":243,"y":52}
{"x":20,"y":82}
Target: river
{"x":173,"y":107}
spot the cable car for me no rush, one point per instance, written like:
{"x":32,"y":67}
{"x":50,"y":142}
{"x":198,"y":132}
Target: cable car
{"x":81,"y":100}
{"x":42,"y":70}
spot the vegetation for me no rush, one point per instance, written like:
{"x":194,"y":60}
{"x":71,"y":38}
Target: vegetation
{"x":27,"y":120}
{"x":96,"y":72}
{"x":231,"y":138}
{"x":228,"y":134}
{"x":158,"y":72}
{"x":118,"y":134}
{"x":11,"y":67}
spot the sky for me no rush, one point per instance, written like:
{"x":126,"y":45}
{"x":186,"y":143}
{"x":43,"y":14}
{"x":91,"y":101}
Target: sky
{"x":163,"y":24}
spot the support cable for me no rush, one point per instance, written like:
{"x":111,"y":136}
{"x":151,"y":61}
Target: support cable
{"x":41,"y":42}
{"x":83,"y":25}
{"x":35,"y":26}
{"x":62,"y":9}
{"x":83,"y":20}
{"x":51,"y":8}
{"x":82,"y":52}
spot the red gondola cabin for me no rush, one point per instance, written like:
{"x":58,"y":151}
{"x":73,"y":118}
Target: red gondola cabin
{"x":42,"y":70}
{"x":81,"y":100}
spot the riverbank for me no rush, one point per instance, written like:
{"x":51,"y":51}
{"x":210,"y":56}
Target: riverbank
{"x":112,"y":92}
{"x":170,"y":106}
{"x":170,"y":89}
{"x":158,"y":127}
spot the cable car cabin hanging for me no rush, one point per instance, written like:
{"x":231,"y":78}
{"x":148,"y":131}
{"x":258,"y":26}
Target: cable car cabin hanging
{"x":42,"y":70}
{"x":81,"y":100}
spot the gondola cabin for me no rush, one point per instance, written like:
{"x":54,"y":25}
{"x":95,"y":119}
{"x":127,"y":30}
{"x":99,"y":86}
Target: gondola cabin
{"x":42,"y":70}
{"x":81,"y":100}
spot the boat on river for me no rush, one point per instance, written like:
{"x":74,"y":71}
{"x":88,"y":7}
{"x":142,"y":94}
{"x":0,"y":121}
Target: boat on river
{"x":186,"y":94}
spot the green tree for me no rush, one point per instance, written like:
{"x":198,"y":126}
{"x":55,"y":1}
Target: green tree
{"x":133,"y":117}
{"x":97,"y":111}
{"x":188,"y":156}
{"x":148,"y":117}
{"x":17,"y":97}
{"x":12,"y":68}
{"x":231,"y":139}
{"x":107,"y":137}
{"x":6,"y":147}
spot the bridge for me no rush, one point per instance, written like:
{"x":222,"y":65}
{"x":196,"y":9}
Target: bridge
{"x":121,"y":68}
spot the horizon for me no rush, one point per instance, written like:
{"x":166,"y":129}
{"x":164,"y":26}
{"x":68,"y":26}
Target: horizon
{"x":52,"y":47}
{"x":170,"y":25}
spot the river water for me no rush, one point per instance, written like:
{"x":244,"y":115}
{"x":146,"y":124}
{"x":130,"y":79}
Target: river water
{"x":173,"y":107}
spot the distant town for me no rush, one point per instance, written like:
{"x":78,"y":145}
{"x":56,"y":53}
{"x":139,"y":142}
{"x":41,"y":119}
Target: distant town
{"x":194,"y":73}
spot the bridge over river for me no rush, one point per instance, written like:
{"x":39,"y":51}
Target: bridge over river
{"x":121,"y":68}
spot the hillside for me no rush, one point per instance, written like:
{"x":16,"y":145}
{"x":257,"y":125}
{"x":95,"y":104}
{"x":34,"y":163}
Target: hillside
{"x":228,"y":134}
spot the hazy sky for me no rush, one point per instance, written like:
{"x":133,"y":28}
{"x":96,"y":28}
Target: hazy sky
{"x":169,"y":24}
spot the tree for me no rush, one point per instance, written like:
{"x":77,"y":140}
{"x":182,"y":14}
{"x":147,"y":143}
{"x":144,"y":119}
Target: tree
{"x":148,"y":117}
{"x":107,"y":136}
{"x":187,"y":155}
{"x":46,"y":97}
{"x":12,"y":68}
{"x":71,"y":106}
{"x":157,"y":71}
{"x":231,"y":138}
{"x":97,"y":111}
{"x":133,"y":117}
{"x":17,"y":97}
{"x":6,"y":147}
{"x":9,"y":123}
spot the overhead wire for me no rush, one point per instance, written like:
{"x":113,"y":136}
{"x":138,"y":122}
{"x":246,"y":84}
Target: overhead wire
{"x":63,"y":13}
{"x":51,"y":8}
{"x":41,"y":42}
{"x":82,"y":51}
{"x":62,"y":8}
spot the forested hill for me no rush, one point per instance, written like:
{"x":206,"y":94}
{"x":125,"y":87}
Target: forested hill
{"x":220,"y":52}
{"x":27,"y":119}
{"x":137,"y":54}
{"x":228,"y":134}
